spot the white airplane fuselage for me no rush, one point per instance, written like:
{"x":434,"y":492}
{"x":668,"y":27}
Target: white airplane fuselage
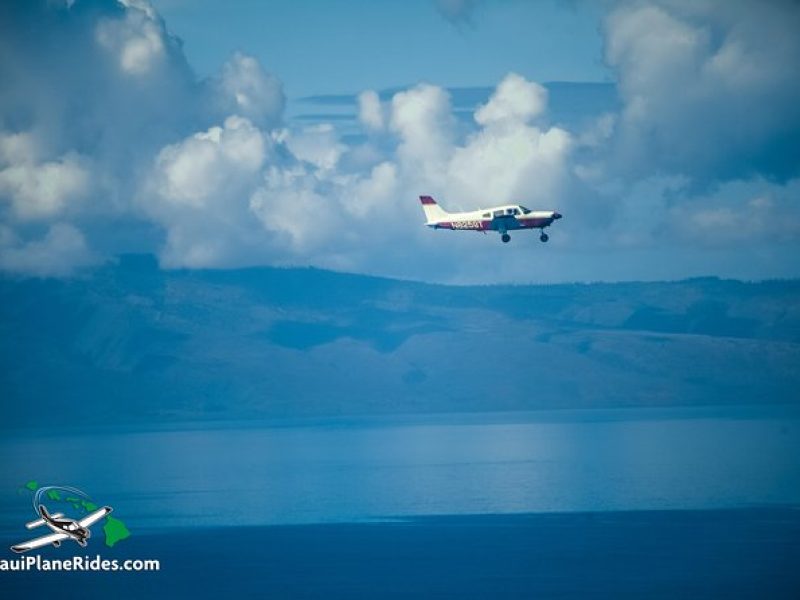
{"x":502,"y":219}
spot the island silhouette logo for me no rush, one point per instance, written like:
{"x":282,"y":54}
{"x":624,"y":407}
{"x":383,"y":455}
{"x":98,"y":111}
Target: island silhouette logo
{"x":77,"y":528}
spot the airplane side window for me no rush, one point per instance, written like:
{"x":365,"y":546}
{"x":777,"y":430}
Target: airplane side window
{"x":498,"y":213}
{"x":487,"y":215}
{"x":509,"y":211}
{"x":515,"y":211}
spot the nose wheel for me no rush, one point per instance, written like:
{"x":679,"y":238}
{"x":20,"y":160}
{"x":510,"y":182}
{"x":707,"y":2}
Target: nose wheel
{"x":544,"y":237}
{"x":506,"y":238}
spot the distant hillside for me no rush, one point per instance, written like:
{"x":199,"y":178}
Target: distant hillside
{"x":134,"y":343}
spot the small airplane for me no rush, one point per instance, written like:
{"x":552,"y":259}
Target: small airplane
{"x":63,"y":528}
{"x":497,"y":218}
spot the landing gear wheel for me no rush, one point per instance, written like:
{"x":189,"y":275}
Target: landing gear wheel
{"x":506,"y":238}
{"x":544,"y":237}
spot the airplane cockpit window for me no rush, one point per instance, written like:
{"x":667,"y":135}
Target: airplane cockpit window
{"x":509,"y":211}
{"x":524,"y":210}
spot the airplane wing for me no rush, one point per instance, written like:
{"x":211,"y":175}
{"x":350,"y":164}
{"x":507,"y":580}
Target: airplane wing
{"x":93,"y":518}
{"x":501,"y":222}
{"x":45,"y":540}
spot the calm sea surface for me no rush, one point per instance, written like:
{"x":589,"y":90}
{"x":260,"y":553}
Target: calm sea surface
{"x":366,"y":470}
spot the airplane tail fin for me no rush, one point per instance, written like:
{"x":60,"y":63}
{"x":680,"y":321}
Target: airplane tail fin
{"x":433,"y":212}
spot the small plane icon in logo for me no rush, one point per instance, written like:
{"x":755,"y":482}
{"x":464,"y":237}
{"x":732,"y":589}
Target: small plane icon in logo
{"x":63,"y":528}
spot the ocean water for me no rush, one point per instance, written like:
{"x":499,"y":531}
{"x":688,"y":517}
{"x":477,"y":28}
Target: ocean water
{"x":575,"y":504}
{"x":384,"y":469}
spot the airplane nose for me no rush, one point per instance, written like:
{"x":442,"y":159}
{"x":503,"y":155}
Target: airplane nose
{"x":556,"y":215}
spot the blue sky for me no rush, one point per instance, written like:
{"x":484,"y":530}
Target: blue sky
{"x":364,"y":44}
{"x":229,"y":134}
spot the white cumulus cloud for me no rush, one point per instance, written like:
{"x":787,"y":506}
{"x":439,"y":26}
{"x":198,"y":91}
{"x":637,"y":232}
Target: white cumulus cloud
{"x":59,"y":253}
{"x":42,"y":190}
{"x":137,"y":39}
{"x":709,"y":88}
{"x":516,"y":101}
{"x":375,"y":192}
{"x":196,"y":170}
{"x":423,"y":121}
{"x":700,"y":151}
{"x":198,"y":190}
{"x":292,"y":204}
{"x":370,"y":111}
{"x":246,"y":89}
{"x":317,"y":144}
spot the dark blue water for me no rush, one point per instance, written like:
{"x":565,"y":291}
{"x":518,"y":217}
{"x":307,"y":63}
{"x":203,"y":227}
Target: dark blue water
{"x":570,"y":504}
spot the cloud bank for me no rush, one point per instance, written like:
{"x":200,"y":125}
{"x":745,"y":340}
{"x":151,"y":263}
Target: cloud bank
{"x":709,"y":88}
{"x":103,"y":124}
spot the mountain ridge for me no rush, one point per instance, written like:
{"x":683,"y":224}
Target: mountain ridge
{"x":129,"y":342}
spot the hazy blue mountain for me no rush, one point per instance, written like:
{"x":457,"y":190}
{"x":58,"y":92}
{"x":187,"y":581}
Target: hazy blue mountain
{"x":132,"y":343}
